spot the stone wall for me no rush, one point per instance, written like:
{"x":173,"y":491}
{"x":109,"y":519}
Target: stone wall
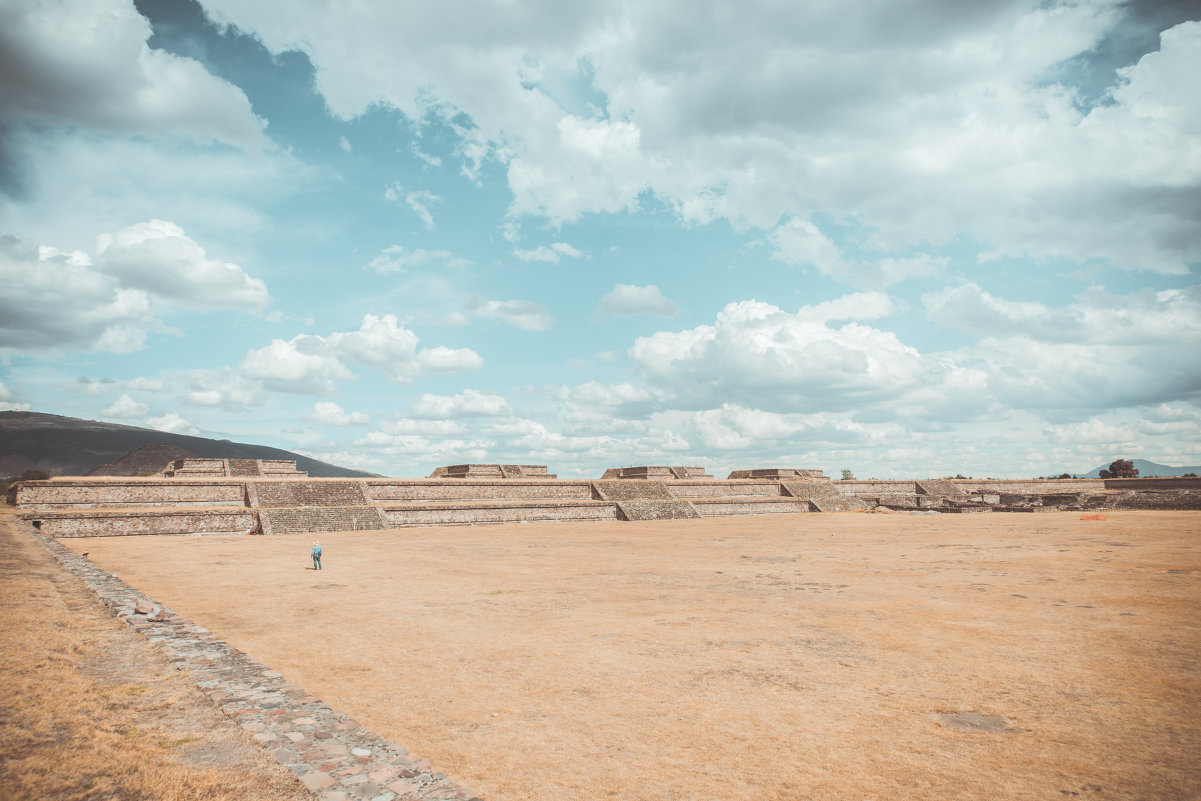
{"x":116,"y":524}
{"x":719,"y":507}
{"x":83,"y":494}
{"x":723,"y":489}
{"x":431,"y":514}
{"x":321,"y":518}
{"x":877,"y":487}
{"x":427,"y":490}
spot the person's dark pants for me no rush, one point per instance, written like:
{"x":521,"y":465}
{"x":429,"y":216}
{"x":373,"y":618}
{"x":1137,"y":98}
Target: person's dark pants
{"x":316,"y":562}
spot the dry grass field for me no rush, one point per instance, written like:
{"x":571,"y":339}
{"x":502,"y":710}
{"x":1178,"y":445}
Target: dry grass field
{"x":835,"y":656}
{"x":91,"y":711}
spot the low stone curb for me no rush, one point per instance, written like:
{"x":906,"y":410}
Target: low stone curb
{"x":331,"y":755}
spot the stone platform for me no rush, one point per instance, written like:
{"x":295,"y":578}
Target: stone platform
{"x":81,"y":507}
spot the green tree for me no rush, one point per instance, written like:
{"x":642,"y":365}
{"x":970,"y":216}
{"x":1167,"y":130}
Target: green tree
{"x":1120,"y":468}
{"x":847,"y":475}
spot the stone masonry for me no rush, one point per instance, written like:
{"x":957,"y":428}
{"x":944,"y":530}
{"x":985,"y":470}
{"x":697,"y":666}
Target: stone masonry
{"x":271,"y":505}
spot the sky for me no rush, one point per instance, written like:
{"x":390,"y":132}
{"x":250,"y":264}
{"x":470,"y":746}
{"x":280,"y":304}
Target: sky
{"x":907,"y":238}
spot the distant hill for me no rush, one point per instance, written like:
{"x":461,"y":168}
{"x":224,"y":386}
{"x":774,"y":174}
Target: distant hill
{"x":1146,"y":470}
{"x":68,"y":446}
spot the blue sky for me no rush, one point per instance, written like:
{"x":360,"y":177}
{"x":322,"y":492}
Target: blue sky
{"x":918,"y":239}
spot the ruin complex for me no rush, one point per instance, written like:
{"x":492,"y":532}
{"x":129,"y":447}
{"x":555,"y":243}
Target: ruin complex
{"x":228,"y":496}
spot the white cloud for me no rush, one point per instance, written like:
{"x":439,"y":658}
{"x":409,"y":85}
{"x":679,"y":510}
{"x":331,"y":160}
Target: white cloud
{"x":40,"y":283}
{"x":125,"y":406}
{"x":426,"y":158}
{"x":523,"y":314}
{"x":143,"y":384}
{"x":172,"y":423}
{"x":801,"y":242}
{"x":7,"y":402}
{"x":441,"y":359}
{"x":626,"y":299}
{"x":116,"y":298}
{"x":86,"y":63}
{"x":310,"y":364}
{"x":468,"y":403}
{"x":425,"y":428}
{"x":417,"y":200}
{"x":395,"y":259}
{"x":302,"y":364}
{"x":551,"y":253}
{"x":159,"y":257}
{"x":780,"y":112}
{"x":1144,"y":317}
{"x":344,"y":143}
{"x":757,"y":355}
{"x":332,"y":414}
{"x":93,"y":387}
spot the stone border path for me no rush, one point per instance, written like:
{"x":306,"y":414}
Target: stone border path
{"x":331,"y":755}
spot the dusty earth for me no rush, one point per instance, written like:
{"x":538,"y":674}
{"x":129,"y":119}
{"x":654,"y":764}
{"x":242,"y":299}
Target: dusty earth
{"x":817,"y":656}
{"x":91,"y":711}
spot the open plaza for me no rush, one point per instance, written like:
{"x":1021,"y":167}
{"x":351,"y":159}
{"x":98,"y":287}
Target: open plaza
{"x":782,"y":656}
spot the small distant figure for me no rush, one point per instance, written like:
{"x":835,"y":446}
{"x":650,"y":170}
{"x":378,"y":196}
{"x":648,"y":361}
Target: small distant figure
{"x":316,"y":556}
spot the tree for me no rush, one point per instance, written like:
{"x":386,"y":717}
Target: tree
{"x":1064,"y":475}
{"x":29,"y":475}
{"x":1120,"y":468}
{"x":847,"y":475}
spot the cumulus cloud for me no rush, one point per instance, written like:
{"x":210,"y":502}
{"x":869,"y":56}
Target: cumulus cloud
{"x":627,"y":299}
{"x":1140,"y":318}
{"x":523,"y":314}
{"x":780,"y":113}
{"x":172,"y":423}
{"x":39,"y":283}
{"x":8,"y":402}
{"x":86,"y":63}
{"x":302,"y":364}
{"x":117,"y":297}
{"x":125,"y":406}
{"x":763,"y":357}
{"x":159,"y":257}
{"x":468,"y":403}
{"x":396,"y":259}
{"x":310,"y":364}
{"x":552,"y":253}
{"x":331,"y":414}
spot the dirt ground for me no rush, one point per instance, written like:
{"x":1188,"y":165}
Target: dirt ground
{"x":814,"y":656}
{"x":91,"y":711}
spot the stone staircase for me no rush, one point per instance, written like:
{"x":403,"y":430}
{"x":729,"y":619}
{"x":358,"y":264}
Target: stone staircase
{"x":290,"y":507}
{"x":822,"y":496}
{"x":939,"y":486}
{"x":244,"y":468}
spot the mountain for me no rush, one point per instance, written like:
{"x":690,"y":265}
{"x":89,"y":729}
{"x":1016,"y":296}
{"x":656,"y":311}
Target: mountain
{"x":1146,"y":470}
{"x":68,"y":446}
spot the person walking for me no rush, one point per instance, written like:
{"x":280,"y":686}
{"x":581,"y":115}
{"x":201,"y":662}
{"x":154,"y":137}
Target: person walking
{"x":316,"y":556}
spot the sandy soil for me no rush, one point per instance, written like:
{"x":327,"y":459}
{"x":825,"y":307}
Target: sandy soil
{"x":778,"y":657}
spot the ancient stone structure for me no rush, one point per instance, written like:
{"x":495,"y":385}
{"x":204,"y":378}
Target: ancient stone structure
{"x":656,"y":473}
{"x":492,"y":471}
{"x":274,"y":501}
{"x":196,"y":467}
{"x":146,"y":460}
{"x":782,"y":473}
